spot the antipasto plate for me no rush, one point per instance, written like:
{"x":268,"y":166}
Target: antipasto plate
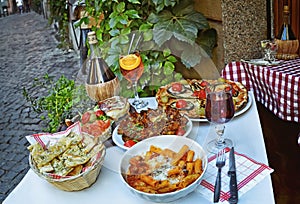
{"x":262,"y":62}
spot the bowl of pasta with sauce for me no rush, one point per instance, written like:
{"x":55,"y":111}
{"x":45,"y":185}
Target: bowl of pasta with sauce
{"x":163,"y":168}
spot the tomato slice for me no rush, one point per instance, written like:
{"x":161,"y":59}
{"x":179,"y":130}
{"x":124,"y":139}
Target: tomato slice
{"x":85,"y":117}
{"x":180,"y":131}
{"x":181,"y":104}
{"x":201,"y":94}
{"x":99,"y":113}
{"x":129,"y":143}
{"x":103,"y":124}
{"x":204,"y":84}
{"x":177,"y":87}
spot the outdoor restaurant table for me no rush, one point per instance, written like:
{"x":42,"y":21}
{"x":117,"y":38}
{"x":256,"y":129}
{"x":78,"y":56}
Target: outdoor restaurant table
{"x":276,"y":87}
{"x":245,"y":130}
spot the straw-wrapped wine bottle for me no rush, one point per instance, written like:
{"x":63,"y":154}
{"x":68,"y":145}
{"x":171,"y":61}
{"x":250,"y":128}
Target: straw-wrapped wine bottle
{"x":101,"y":82}
{"x":286,"y":41}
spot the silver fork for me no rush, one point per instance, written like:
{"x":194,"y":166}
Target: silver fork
{"x":220,"y":162}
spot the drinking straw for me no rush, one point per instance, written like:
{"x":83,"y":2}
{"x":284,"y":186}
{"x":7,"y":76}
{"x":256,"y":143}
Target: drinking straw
{"x":138,"y":42}
{"x":131,"y":42}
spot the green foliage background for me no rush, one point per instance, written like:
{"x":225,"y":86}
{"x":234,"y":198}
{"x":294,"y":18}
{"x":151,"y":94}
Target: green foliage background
{"x":159,"y":22}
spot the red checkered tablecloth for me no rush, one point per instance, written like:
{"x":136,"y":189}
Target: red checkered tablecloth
{"x":276,"y":87}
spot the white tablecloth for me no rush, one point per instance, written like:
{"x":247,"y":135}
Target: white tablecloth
{"x":244,"y":130}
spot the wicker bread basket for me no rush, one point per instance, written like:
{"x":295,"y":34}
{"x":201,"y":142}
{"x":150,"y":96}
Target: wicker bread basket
{"x":287,"y":49}
{"x":99,"y":92}
{"x":74,"y":183}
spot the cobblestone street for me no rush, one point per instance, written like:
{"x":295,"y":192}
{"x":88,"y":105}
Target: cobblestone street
{"x":28,"y":50}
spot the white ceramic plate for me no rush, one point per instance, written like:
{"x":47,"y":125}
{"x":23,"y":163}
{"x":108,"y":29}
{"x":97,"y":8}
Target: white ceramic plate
{"x":117,"y":139}
{"x":262,"y":62}
{"x":248,"y":105}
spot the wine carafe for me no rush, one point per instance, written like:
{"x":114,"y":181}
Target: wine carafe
{"x":98,"y":72}
{"x":101,"y":82}
{"x":287,"y":42}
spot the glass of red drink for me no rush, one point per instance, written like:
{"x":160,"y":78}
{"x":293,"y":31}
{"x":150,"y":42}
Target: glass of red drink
{"x":219,"y":109}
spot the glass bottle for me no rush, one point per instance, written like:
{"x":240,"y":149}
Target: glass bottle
{"x":83,"y":46}
{"x":98,"y":71}
{"x":286,"y":32}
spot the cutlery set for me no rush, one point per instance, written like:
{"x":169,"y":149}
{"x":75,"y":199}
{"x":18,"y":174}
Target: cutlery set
{"x":220,"y":163}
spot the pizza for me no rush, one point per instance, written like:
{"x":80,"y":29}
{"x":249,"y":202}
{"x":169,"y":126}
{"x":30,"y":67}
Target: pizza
{"x":189,"y":96}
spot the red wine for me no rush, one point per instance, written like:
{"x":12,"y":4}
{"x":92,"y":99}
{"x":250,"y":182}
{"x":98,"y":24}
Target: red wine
{"x":219,"y":108}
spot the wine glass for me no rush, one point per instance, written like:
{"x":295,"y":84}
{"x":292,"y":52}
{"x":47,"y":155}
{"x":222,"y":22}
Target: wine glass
{"x":132,"y":68}
{"x":219,"y":109}
{"x":269,"y":48}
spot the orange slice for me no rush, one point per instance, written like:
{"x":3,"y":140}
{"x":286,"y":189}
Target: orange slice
{"x":130,"y":62}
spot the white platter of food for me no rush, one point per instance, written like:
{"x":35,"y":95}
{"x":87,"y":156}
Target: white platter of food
{"x":120,"y":140}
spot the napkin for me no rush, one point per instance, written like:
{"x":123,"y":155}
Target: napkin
{"x":46,"y":139}
{"x":249,"y":173}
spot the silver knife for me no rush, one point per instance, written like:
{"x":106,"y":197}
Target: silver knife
{"x":233,"y":182}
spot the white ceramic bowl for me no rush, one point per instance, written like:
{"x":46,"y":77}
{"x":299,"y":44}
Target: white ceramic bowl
{"x":166,"y":141}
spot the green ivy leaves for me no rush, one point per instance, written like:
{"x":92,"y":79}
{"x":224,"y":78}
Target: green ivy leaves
{"x":159,"y":22}
{"x":182,"y":22}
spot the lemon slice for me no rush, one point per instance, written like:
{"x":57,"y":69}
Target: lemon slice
{"x":130,"y":62}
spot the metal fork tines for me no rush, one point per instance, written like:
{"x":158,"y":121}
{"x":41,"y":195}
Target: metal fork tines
{"x":220,"y":162}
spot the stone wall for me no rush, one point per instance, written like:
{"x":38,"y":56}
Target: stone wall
{"x":212,"y":10}
{"x":244,"y":26}
{"x":241,"y":25}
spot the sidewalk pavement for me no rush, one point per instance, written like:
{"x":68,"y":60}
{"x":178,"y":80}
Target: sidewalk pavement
{"x":28,"y":50}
